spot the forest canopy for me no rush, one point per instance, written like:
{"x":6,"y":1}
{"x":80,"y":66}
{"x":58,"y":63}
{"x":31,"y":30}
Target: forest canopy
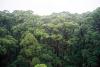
{"x":57,"y":40}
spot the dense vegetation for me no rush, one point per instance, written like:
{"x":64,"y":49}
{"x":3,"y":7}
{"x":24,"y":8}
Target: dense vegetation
{"x":56,"y":40}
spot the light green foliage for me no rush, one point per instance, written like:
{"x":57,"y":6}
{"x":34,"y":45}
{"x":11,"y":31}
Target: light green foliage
{"x":56,"y":36}
{"x":41,"y":33}
{"x":71,"y":25}
{"x":40,"y":65}
{"x":28,"y":39}
{"x":30,"y":46}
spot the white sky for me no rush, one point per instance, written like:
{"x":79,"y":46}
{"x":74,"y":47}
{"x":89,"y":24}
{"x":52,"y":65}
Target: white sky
{"x":46,"y":7}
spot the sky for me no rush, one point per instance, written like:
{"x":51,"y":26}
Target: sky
{"x":46,"y":7}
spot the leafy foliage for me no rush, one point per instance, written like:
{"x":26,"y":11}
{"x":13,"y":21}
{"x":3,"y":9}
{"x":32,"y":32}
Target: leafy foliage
{"x":57,"y":40}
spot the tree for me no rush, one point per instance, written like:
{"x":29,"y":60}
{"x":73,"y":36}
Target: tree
{"x":28,"y":40}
